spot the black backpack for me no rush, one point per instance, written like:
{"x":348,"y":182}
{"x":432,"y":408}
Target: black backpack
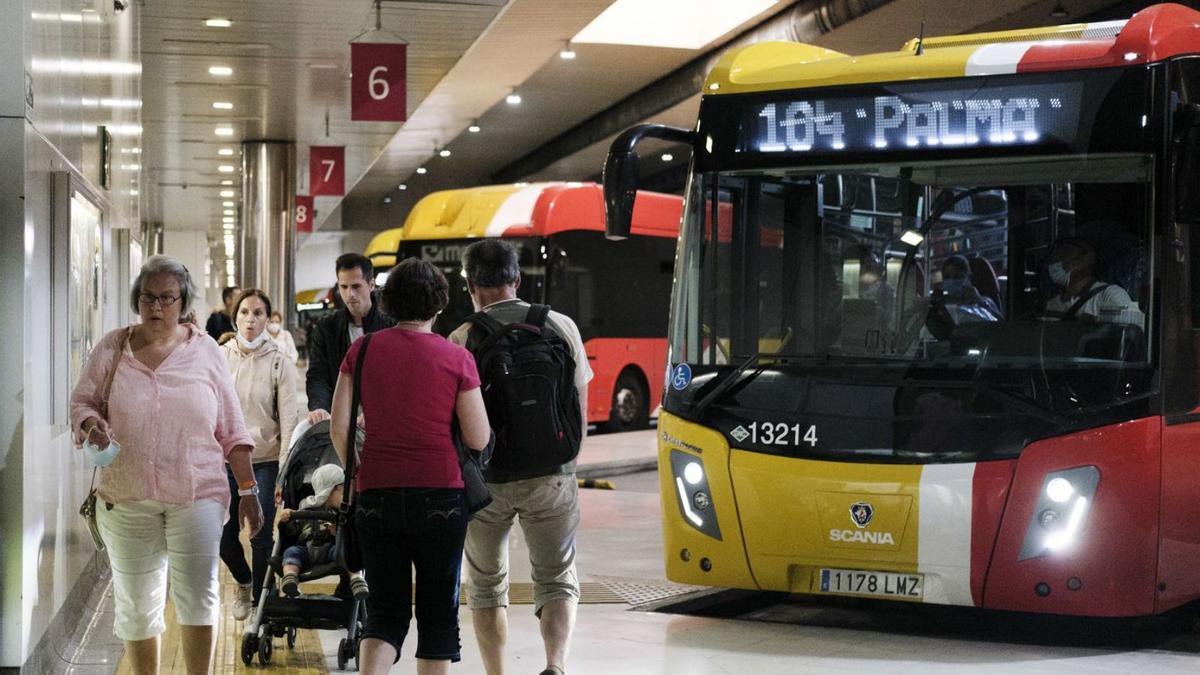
{"x":528,"y":379}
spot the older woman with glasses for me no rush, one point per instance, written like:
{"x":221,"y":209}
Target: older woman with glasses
{"x":174,"y":420}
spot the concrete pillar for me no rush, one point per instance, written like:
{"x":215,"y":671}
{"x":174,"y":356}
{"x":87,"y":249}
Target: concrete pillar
{"x":267,"y":246}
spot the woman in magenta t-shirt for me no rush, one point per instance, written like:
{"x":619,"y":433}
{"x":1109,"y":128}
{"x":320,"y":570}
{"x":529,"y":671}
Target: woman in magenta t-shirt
{"x":410,"y":509}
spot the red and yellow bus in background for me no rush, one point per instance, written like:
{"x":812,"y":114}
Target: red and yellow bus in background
{"x":849,"y":412}
{"x":619,"y":295}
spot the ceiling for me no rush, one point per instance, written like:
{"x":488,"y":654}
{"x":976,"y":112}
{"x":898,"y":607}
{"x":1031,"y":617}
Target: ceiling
{"x":291,"y":65}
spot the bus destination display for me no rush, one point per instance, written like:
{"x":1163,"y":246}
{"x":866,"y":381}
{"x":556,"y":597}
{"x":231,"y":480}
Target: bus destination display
{"x":912,"y":117}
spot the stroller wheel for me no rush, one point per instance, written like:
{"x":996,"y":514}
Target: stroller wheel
{"x":291,"y":637}
{"x":264,"y":649}
{"x":345,"y":653}
{"x":249,"y":646}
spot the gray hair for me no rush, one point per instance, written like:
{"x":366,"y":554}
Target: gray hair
{"x":492,"y":263}
{"x":163,"y":264}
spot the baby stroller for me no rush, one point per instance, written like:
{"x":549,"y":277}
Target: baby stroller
{"x":278,"y":615}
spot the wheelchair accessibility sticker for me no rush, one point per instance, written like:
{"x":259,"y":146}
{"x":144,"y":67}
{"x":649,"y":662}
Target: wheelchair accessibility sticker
{"x":681,"y":377}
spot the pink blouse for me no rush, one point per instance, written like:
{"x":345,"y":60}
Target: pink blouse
{"x":175,"y":424}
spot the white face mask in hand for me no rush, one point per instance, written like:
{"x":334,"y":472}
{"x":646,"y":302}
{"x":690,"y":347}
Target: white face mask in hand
{"x":99,"y":457}
{"x":252,"y":344}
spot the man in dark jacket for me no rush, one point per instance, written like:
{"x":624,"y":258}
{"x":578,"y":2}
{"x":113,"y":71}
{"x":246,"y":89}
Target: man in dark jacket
{"x":221,"y":322}
{"x":331,"y":337}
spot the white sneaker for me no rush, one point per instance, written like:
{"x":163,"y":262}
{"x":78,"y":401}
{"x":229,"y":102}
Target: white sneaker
{"x":242,"y":600}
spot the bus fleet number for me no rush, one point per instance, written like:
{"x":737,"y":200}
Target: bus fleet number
{"x":781,"y":433}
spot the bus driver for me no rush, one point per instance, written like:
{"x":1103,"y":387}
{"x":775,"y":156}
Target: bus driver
{"x":1071,"y":267}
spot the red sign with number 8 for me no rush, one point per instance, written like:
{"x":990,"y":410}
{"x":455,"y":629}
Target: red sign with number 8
{"x":377,"y":82}
{"x":326,"y":170}
{"x":304,"y":213}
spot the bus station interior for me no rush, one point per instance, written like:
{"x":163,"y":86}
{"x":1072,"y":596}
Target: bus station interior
{"x":130,"y":128}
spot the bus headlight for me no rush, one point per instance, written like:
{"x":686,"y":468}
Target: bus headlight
{"x":1062,"y":508}
{"x":693,"y":494}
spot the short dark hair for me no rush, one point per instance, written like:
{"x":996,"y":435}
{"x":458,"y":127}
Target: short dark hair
{"x":251,"y":293}
{"x":415,"y":291}
{"x":492,"y":263}
{"x":348,"y":261}
{"x":957,"y":261}
{"x":227,"y":292}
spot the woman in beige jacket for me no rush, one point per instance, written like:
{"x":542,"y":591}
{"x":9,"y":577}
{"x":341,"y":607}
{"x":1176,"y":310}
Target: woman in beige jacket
{"x":267,"y":386}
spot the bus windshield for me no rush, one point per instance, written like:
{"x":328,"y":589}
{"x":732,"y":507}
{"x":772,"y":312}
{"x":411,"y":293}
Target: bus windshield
{"x":1029,"y":275}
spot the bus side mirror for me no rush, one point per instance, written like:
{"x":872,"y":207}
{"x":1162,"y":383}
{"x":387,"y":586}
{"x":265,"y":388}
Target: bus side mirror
{"x":621,"y":174}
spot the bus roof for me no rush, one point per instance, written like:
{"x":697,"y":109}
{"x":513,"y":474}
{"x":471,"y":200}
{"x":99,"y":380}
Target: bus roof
{"x":382,"y":249}
{"x":1153,"y":34}
{"x":528,"y":210}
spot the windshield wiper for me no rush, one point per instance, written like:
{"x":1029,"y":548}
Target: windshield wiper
{"x":727,"y":383}
{"x":1021,"y":403}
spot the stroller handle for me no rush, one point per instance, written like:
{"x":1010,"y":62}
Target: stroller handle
{"x":312,"y":514}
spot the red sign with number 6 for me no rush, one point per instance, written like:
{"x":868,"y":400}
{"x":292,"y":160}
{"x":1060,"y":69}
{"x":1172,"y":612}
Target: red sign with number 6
{"x":304,"y":213}
{"x":326,"y":170}
{"x":377,"y":82}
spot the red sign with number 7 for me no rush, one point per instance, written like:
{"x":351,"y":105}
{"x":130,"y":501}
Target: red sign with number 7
{"x":304,"y":213}
{"x":377,"y":82}
{"x":326,"y":170}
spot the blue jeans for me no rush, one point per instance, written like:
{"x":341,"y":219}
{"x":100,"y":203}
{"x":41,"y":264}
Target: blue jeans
{"x":299,"y":556}
{"x":260,"y":544}
{"x":404,"y":528}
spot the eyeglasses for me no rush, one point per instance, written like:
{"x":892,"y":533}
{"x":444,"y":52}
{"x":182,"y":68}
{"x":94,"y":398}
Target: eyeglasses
{"x":163,"y":301}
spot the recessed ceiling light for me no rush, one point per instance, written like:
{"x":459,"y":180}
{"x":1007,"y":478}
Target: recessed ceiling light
{"x":513,"y":99}
{"x":387,"y":200}
{"x":402,"y":186}
{"x":227,"y":193}
{"x":229,"y":212}
{"x":225,"y":152}
{"x":655,"y":23}
{"x":666,"y":157}
{"x":443,"y":153}
{"x":220,"y":71}
{"x":567,"y":54}
{"x":217,"y":22}
{"x":225,"y":168}
{"x":228,"y":226}
{"x":223,"y":131}
{"x":474,"y":128}
{"x":133,"y":193}
{"x":222,"y":105}
{"x":422,"y":170}
{"x":227,"y":204}
{"x":226,"y":182}
{"x":227,"y":220}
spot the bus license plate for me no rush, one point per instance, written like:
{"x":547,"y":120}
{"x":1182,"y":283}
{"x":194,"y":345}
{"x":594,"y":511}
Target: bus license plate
{"x":886,"y":584}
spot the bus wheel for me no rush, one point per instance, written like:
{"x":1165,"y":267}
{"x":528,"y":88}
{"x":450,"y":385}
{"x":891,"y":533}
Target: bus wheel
{"x":629,"y":405}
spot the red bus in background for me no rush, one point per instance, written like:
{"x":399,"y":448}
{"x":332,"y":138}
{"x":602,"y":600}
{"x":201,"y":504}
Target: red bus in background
{"x":618,"y":294}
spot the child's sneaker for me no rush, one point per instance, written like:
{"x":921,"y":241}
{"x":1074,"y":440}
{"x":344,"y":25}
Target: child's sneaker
{"x":358,"y":587}
{"x":242,"y":601}
{"x":290,"y":585}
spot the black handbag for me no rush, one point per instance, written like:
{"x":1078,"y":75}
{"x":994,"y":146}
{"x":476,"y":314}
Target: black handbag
{"x":346,"y":545}
{"x":475,"y":489}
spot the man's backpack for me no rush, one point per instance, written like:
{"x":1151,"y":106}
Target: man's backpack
{"x":528,"y":378}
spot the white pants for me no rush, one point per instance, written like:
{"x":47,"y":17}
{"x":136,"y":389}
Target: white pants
{"x":146,"y":539}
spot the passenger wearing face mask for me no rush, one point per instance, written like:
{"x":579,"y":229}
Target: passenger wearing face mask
{"x":958,"y":292}
{"x":267,"y":386}
{"x":1080,"y":295}
{"x":282,"y":338}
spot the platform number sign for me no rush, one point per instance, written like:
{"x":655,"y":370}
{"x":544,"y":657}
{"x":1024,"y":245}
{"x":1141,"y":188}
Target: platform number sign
{"x":326,"y":170}
{"x":304,"y":213}
{"x":377,"y":82}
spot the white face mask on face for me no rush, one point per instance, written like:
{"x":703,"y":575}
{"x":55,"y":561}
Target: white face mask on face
{"x":274,"y":327}
{"x":1059,"y":274}
{"x":252,"y":344}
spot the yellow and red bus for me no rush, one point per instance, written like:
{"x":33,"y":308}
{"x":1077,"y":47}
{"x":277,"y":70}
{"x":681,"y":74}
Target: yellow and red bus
{"x":617,"y":294}
{"x":849,"y":412}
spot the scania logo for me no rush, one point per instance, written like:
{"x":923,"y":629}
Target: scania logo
{"x":861,"y":513}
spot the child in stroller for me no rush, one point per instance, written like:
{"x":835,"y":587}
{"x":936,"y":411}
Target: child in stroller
{"x":314,"y":538}
{"x":280,"y":615}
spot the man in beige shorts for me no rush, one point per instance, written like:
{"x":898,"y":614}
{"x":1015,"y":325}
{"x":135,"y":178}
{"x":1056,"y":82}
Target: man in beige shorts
{"x":546,"y":505}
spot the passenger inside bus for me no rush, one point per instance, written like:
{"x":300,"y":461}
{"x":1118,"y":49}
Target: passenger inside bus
{"x":1071,"y":268}
{"x":958,"y":301}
